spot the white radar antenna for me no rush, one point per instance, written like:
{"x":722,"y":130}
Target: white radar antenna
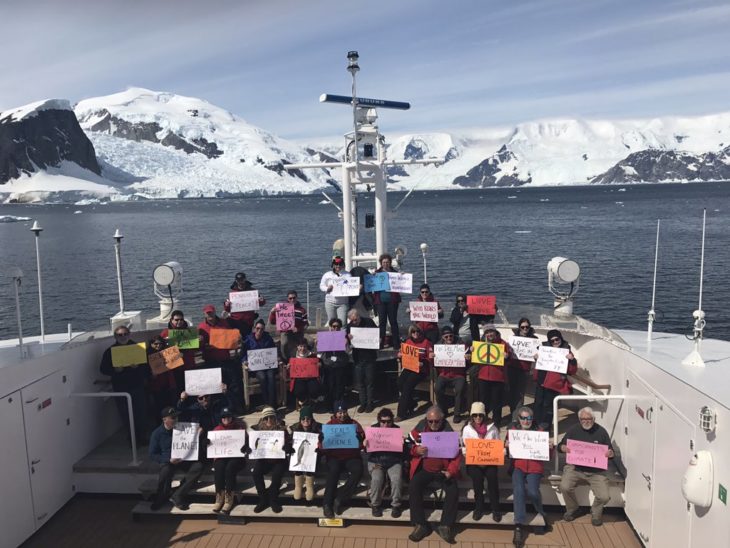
{"x":563,"y":272}
{"x":694,"y":358}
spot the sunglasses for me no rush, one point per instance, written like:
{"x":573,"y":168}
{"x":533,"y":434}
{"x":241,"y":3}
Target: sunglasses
{"x":526,"y":418}
{"x":122,"y":334}
{"x":554,"y":339}
{"x":524,"y":327}
{"x":258,"y":328}
{"x":386,"y":421}
{"x":291,"y":298}
{"x":475,"y":415}
{"x":434,"y":421}
{"x":448,"y":336}
{"x":425,"y":291}
{"x":305,"y":419}
{"x":460,"y":300}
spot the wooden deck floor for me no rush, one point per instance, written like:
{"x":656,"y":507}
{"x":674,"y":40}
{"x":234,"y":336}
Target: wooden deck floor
{"x":106,"y":521}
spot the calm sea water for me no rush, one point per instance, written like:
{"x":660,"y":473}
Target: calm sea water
{"x":486,"y":241}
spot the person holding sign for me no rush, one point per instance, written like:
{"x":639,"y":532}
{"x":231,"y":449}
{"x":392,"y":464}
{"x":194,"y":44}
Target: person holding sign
{"x":464,"y":323}
{"x":226,"y":469}
{"x":492,"y":377}
{"x":382,"y":463}
{"x":386,"y":304}
{"x":163,"y":387}
{"x":276,"y":467}
{"x":519,"y":370}
{"x":177,"y":324}
{"x":267,"y":377}
{"x":304,"y":481}
{"x":590,"y":433}
{"x":526,"y":477}
{"x":335,"y":366}
{"x":306,"y":390}
{"x":130,"y":379}
{"x":424,"y":471}
{"x":289,"y":339}
{"x":548,"y":384}
{"x":243,"y":321}
{"x":342,"y":461}
{"x":416,"y":356}
{"x":364,"y":360}
{"x":335,"y":307}
{"x":452,"y":377}
{"x":478,"y":428}
{"x":430,"y":329}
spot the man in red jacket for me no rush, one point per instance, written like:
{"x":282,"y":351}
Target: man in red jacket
{"x":425,"y":470}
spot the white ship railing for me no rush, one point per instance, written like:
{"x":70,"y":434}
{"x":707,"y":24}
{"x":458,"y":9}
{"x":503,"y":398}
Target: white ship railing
{"x":132,"y":433}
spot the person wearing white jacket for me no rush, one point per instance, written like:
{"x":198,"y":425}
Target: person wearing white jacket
{"x":335,"y":307}
{"x":477,"y":427}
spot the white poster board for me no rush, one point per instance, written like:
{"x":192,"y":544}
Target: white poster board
{"x":424,"y":311}
{"x":346,"y":286}
{"x":263,"y":358}
{"x":243,"y":301}
{"x":226,"y":444}
{"x":524,"y":348}
{"x":365,"y":337}
{"x":529,"y":444}
{"x":400,"y":282}
{"x":553,"y":359}
{"x":199,"y":382}
{"x":185,"y":441}
{"x":266,"y":444}
{"x":449,"y":355}
{"x":304,"y":458}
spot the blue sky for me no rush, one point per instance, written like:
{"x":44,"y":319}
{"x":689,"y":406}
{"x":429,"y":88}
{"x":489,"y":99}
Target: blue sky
{"x":461,"y":64}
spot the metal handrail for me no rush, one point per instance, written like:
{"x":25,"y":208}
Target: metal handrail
{"x":132,"y":433}
{"x":555,"y":416}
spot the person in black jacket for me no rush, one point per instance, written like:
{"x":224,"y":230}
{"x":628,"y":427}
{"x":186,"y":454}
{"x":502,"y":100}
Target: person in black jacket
{"x":381,"y":463}
{"x":130,"y":379}
{"x":364,"y":364}
{"x":335,"y":367}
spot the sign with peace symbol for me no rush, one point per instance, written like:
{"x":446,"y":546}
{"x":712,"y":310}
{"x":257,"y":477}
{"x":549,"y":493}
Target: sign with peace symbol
{"x":487,"y":353}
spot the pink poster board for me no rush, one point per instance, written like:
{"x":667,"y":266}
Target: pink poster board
{"x":587,"y":454}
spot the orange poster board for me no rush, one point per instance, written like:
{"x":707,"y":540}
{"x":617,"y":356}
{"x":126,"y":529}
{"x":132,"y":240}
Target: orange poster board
{"x":304,"y":368}
{"x":485,"y":305}
{"x":225,"y":339}
{"x":165,"y":360}
{"x":484,"y":452}
{"x":409,"y":357}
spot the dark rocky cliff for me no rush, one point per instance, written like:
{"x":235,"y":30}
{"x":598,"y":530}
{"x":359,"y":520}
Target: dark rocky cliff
{"x":494,"y":172}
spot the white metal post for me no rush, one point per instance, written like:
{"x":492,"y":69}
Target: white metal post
{"x":381,"y":206}
{"x":347,"y":214}
{"x":16,"y":284}
{"x":118,"y":250}
{"x":36,"y":229}
{"x":652,"y":313}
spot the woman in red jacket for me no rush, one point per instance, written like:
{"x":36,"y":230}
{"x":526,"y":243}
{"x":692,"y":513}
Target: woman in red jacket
{"x":178,"y":321}
{"x":407,"y":380}
{"x":492,"y":378}
{"x":430,"y":329}
{"x":549,"y":385}
{"x":519,"y":370}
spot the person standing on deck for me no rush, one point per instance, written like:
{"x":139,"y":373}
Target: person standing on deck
{"x":518,"y":371}
{"x":386,"y":303}
{"x":178,"y":321}
{"x":226,"y":469}
{"x":243,"y":321}
{"x":290,"y":339}
{"x":305,"y":390}
{"x":549,"y":385}
{"x":492,"y":377}
{"x":430,"y":329}
{"x":452,"y":377}
{"x":589,"y":432}
{"x":335,"y":307}
{"x":408,"y":379}
{"x":257,"y":340}
{"x":364,"y":360}
{"x":335,"y":366}
{"x":304,"y":481}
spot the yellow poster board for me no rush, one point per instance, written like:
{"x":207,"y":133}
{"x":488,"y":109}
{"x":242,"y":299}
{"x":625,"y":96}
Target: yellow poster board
{"x":129,"y":354}
{"x":487,"y":353}
{"x":481,"y":452}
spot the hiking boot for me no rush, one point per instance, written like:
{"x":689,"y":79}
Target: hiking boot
{"x":229,"y":501}
{"x":298,"y":487}
{"x":309,"y":488}
{"x":179,"y":504}
{"x":519,"y":537}
{"x":218,"y":501}
{"x":570,"y":516}
{"x":419,"y":533}
{"x":276,"y":507}
{"x":457,"y":418}
{"x":339,"y":507}
{"x":329,"y":513}
{"x":260,"y":507}
{"x":496,"y":516}
{"x":377,"y":512}
{"x":369,"y":408}
{"x":396,"y":512}
{"x":446,"y":533}
{"x":596,"y":521}
{"x":477,"y":514}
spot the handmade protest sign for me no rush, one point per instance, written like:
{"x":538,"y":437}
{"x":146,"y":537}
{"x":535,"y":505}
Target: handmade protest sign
{"x":583,"y":453}
{"x":384,"y":439}
{"x":409,"y":357}
{"x":365,"y":337}
{"x":377,"y":282}
{"x":529,"y":444}
{"x":449,"y":355}
{"x":266,"y":444}
{"x":331,"y":341}
{"x":304,"y":368}
{"x":284,"y":316}
{"x":553,"y":359}
{"x":199,"y":382}
{"x":263,"y":358}
{"x":127,"y":355}
{"x":165,"y":360}
{"x":339,"y":436}
{"x":441,"y":445}
{"x":422,"y":311}
{"x":524,"y":348}
{"x":243,"y":301}
{"x":304,"y":458}
{"x":481,"y":304}
{"x":226,"y":444}
{"x":184,"y":339}
{"x":185,"y":441}
{"x":401,"y":282}
{"x":346,"y":286}
{"x":481,"y":452}
{"x":487,"y":353}
{"x":224,"y":339}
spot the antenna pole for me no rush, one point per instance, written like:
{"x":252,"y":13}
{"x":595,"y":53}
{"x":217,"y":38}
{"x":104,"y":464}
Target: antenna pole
{"x":652,"y":313}
{"x":694,"y":358}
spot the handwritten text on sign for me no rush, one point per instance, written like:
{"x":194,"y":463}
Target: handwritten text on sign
{"x":126,"y":355}
{"x":401,"y":282}
{"x":552,"y":359}
{"x":424,"y":311}
{"x":449,"y":355}
{"x":377,"y":282}
{"x":484,"y":452}
{"x":441,"y":445}
{"x":409,"y":357}
{"x":284,"y":316}
{"x":266,"y":444}
{"x":487,"y":353}
{"x":525,"y":348}
{"x":184,"y":339}
{"x":365,"y":337}
{"x":340,"y":436}
{"x":346,"y":286}
{"x":199,"y":382}
{"x":243,"y":301}
{"x":185,"y":441}
{"x":263,"y":358}
{"x":583,"y":453}
{"x":384,"y":439}
{"x":304,"y":458}
{"x":165,"y":360}
{"x":226,"y":444}
{"x":304,"y":368}
{"x":481,"y":304}
{"x":529,"y":444}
